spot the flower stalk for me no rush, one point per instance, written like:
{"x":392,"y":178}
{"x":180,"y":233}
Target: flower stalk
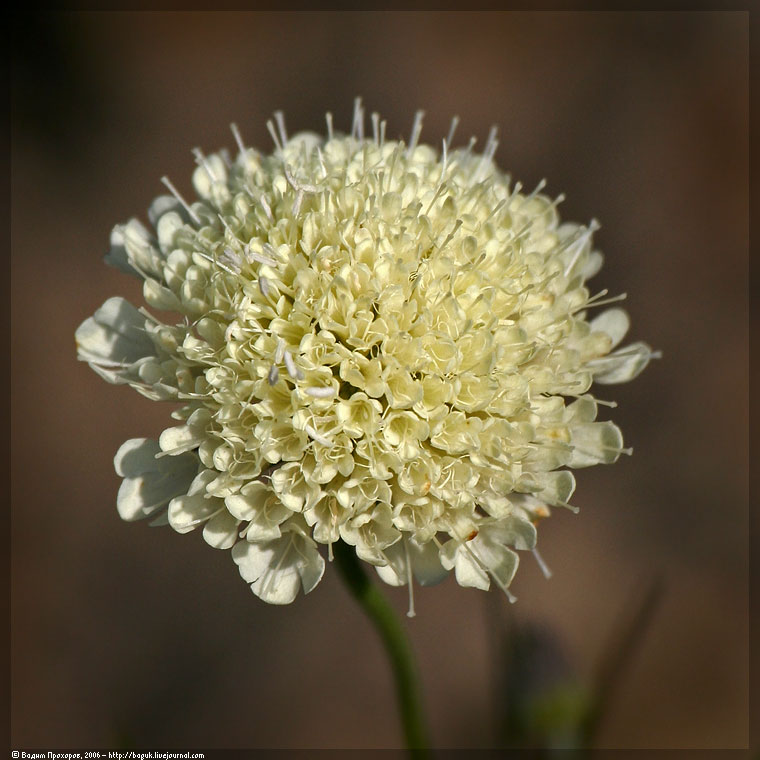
{"x":396,"y":644}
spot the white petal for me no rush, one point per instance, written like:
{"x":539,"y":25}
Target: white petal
{"x":175,"y":440}
{"x":168,"y":226}
{"x":392,"y":574}
{"x":595,"y":443}
{"x":163,"y":204}
{"x":149,"y":483}
{"x":188,"y":512}
{"x":135,"y":456}
{"x":622,"y":365}
{"x":276,"y":569}
{"x":141,"y":252}
{"x":114,"y":335}
{"x":556,"y":487}
{"x":426,"y":563}
{"x":500,"y":561}
{"x":593,"y":265}
{"x":468,"y":572}
{"x":159,"y":296}
{"x":221,"y":531}
{"x":117,"y":255}
{"x":245,"y":505}
{"x":512,"y":531}
{"x":614,"y":322}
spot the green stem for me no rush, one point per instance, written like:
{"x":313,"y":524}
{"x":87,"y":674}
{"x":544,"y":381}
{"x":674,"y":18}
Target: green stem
{"x":396,"y":645}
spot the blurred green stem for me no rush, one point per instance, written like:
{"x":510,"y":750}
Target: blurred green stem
{"x":396,"y":645}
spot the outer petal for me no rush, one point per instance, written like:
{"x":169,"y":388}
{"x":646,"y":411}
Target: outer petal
{"x":141,"y":253}
{"x":193,"y":509}
{"x":512,"y":531}
{"x":556,"y":487}
{"x":426,"y":564}
{"x":117,"y":255}
{"x":622,"y":365}
{"x":468,"y":572}
{"x":614,"y":322}
{"x":595,"y":443}
{"x":221,"y":531}
{"x":114,"y":337}
{"x":276,"y":569}
{"x":150,"y":484}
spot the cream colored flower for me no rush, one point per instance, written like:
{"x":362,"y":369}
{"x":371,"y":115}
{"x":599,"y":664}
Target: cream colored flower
{"x":377,"y":343}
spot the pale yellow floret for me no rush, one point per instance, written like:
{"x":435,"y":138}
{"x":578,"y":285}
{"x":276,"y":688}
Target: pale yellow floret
{"x":376,"y":344}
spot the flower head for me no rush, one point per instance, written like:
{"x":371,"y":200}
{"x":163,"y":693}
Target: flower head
{"x":377,"y":343}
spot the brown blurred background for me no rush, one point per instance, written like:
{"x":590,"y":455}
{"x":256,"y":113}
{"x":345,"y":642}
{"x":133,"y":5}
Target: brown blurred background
{"x":125,"y":635}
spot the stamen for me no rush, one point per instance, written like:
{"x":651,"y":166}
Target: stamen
{"x":279,"y":351}
{"x":238,"y":139}
{"x":202,"y":161}
{"x":217,"y":262}
{"x":232,"y":259}
{"x":329,"y":120}
{"x":416,"y":131}
{"x":376,"y":127}
{"x":280,"y":119}
{"x":274,"y":374}
{"x":297,"y":184}
{"x":544,"y":567}
{"x":613,"y":299}
{"x":409,"y":580}
{"x":539,"y":187}
{"x":265,"y":205}
{"x":253,"y":256}
{"x":452,"y":130}
{"x":580,"y":242}
{"x":173,"y":190}
{"x":357,"y":127}
{"x":321,"y":162}
{"x":270,"y":127}
{"x":457,"y":225}
{"x":510,"y":596}
{"x":264,"y":286}
{"x":491,"y":144}
{"x":309,"y":430}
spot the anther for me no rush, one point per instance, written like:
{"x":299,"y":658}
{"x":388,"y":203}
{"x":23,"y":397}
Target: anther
{"x":290,"y":365}
{"x":274,"y":375}
{"x":253,"y":256}
{"x":320,"y":391}
{"x":231,"y":258}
